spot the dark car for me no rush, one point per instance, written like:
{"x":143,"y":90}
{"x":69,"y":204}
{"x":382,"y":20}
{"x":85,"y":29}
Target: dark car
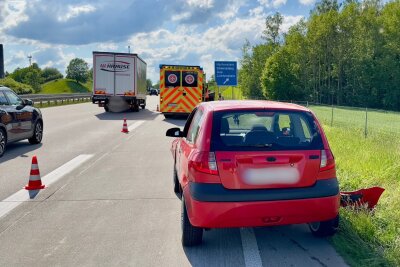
{"x":153,"y":92}
{"x":18,"y":120}
{"x":253,"y":163}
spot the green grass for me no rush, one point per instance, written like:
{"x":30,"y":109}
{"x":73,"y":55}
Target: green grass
{"x":227,"y":93}
{"x":65,"y":86}
{"x":367,"y":238}
{"x":19,"y":88}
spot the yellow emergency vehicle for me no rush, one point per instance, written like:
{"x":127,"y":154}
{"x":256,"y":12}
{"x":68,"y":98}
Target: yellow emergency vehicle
{"x":181,"y":89}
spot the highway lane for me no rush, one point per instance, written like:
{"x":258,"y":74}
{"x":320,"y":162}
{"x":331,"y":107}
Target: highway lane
{"x":118,"y":207}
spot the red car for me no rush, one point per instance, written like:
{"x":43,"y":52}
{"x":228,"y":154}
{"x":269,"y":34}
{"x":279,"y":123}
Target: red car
{"x":253,"y":163}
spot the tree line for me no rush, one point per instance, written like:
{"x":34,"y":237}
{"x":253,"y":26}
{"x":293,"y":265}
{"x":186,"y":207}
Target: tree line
{"x":343,"y":54}
{"x":30,"y":79}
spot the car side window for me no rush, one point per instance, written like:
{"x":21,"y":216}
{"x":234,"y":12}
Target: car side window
{"x":3,"y":100}
{"x":195,"y":127}
{"x":13,"y":98}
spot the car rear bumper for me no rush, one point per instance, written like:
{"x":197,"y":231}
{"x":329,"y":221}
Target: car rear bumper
{"x":262,"y":207}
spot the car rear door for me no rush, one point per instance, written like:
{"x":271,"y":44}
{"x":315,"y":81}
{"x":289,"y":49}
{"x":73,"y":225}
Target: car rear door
{"x":188,"y":143}
{"x":266,"y":149}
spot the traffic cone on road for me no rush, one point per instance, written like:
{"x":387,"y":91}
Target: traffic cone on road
{"x":35,"y":183}
{"x":158,"y":108}
{"x":125,"y":127}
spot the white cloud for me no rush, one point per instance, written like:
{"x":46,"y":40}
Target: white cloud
{"x":278,"y":3}
{"x":289,"y":21}
{"x":272,"y":3}
{"x":201,"y":3}
{"x":75,"y":11}
{"x":307,"y":2}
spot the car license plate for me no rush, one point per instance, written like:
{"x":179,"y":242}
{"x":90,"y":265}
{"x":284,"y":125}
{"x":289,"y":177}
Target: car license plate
{"x":272,"y":175}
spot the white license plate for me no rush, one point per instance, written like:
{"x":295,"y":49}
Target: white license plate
{"x":272,"y":175}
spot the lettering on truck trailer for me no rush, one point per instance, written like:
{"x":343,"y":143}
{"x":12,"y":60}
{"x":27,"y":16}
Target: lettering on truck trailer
{"x":115,"y":66}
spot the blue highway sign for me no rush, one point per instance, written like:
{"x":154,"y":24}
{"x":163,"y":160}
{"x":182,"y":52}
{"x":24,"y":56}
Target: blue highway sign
{"x":226,"y":73}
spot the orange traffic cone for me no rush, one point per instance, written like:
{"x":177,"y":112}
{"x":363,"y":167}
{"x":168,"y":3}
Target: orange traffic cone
{"x":158,"y":108}
{"x":125,"y":127}
{"x":35,"y":183}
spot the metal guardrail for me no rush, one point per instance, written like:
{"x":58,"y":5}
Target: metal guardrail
{"x":48,"y":98}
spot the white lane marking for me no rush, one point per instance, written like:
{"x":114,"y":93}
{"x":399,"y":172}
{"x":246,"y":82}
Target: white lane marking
{"x":251,"y":252}
{"x":135,"y":125}
{"x":22,"y":195}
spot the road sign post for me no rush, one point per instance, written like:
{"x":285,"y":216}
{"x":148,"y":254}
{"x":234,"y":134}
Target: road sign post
{"x":225,"y":73}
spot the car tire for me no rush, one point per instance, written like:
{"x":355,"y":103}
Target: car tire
{"x":37,"y":133}
{"x":325,"y":228}
{"x":3,"y":142}
{"x":191,"y":235}
{"x":106,"y":108}
{"x":177,"y":188}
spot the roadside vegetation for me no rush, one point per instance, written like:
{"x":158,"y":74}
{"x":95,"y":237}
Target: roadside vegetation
{"x":343,"y":54}
{"x":367,"y":238}
{"x":49,"y":80}
{"x":65,"y":86}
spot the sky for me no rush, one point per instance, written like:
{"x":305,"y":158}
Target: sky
{"x":193,"y":32}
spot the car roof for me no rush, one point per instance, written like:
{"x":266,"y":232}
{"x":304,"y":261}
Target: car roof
{"x":3,"y":88}
{"x":226,"y":105}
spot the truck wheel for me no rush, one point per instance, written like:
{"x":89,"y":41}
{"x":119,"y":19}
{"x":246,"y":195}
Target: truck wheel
{"x":325,"y":228}
{"x":191,"y":235}
{"x":37,"y":133}
{"x":106,"y":108}
{"x":135,"y":108}
{"x":3,"y":142}
{"x":143,"y":106}
{"x":167,"y":116}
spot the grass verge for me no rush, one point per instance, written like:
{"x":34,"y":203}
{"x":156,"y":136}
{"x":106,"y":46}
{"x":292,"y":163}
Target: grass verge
{"x":65,"y":86}
{"x":367,"y":238}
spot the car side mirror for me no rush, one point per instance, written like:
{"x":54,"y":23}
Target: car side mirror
{"x":174,"y":132}
{"x":28,"y":102}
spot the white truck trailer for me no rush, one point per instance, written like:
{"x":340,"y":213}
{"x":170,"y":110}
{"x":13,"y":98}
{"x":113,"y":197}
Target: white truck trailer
{"x":119,"y":79}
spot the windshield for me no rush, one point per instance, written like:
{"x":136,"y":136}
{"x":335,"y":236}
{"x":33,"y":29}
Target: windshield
{"x":270,"y":130}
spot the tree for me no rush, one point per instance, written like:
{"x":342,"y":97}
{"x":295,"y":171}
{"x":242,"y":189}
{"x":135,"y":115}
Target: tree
{"x":273,"y":24}
{"x":149,"y":84}
{"x":50,"y":74}
{"x":78,"y":70}
{"x":30,"y":75}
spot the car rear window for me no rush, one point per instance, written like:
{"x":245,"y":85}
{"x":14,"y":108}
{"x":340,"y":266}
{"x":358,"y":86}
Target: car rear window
{"x":265,"y":130}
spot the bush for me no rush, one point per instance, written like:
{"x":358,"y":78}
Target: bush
{"x":19,"y":88}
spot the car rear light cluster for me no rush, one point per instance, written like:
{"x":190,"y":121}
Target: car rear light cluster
{"x":327,"y":160}
{"x":204,"y":162}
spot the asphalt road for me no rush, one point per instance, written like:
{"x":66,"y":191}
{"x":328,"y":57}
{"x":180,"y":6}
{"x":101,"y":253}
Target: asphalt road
{"x":109,"y":202}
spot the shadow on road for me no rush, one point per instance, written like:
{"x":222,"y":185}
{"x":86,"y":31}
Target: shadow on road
{"x":18,"y":149}
{"x":220,"y":247}
{"x":143,"y":114}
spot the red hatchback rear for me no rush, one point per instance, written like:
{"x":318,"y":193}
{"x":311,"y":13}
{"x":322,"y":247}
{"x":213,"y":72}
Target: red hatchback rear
{"x":253,"y":163}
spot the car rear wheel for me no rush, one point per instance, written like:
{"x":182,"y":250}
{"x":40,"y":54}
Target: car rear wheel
{"x":3,"y":142}
{"x":325,"y":228}
{"x":191,"y":235}
{"x":37,"y":134}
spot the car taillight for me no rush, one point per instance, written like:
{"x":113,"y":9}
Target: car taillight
{"x":327,"y":160}
{"x":204,"y":162}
